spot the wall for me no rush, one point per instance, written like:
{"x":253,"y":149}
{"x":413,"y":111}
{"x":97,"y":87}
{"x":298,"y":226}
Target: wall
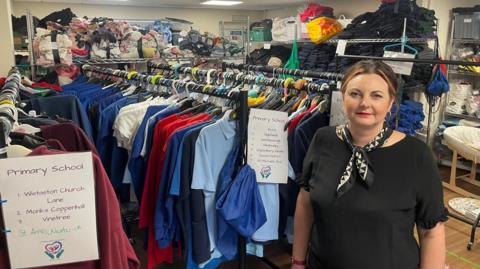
{"x":203,"y":19}
{"x":6,"y":42}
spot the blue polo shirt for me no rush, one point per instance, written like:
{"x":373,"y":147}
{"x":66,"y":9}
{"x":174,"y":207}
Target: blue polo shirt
{"x":213,"y":145}
{"x":137,"y":165}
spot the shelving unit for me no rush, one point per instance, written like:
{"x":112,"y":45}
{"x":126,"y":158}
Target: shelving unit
{"x":454,"y":74}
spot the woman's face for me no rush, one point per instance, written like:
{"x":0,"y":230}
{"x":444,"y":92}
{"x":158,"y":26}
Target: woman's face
{"x":367,"y":101}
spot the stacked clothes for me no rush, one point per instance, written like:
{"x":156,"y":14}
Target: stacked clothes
{"x":316,"y":57}
{"x":473,"y":104}
{"x":387,"y":22}
{"x":104,"y":45}
{"x":79,"y":35}
{"x":129,"y":45}
{"x":458,"y":96}
{"x":313,"y":11}
{"x":152,"y":44}
{"x":410,"y":117}
{"x":63,"y":17}
{"x":52,"y":47}
{"x":162,"y":27}
{"x":262,"y":56}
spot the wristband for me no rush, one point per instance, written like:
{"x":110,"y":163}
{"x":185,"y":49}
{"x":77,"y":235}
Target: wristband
{"x":297,"y":262}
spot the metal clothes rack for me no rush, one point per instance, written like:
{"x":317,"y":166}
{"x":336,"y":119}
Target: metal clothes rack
{"x":242,"y":101}
{"x":381,"y":40}
{"x":247,"y":78}
{"x":8,"y":97}
{"x":423,"y":61}
{"x":284,"y":71}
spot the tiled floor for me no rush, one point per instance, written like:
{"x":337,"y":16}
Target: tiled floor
{"x":457,"y":236}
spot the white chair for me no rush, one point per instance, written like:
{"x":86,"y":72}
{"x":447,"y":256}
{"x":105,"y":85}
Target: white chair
{"x":464,"y":141}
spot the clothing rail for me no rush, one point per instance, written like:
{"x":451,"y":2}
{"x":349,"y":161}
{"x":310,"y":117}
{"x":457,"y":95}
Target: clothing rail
{"x":189,"y":86}
{"x":382,"y":40}
{"x":246,"y":78}
{"x":423,"y":61}
{"x":243,"y":111}
{"x":8,"y":98}
{"x":283,"y":71}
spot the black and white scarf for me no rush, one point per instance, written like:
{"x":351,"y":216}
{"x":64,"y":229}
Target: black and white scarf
{"x":359,"y":162}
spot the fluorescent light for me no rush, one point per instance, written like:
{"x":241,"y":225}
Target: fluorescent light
{"x":221,"y":3}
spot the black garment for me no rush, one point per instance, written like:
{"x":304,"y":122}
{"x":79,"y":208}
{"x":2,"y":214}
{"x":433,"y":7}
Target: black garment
{"x":37,"y":121}
{"x":190,"y":205}
{"x":63,"y":17}
{"x":371,"y":228}
{"x":303,"y":136}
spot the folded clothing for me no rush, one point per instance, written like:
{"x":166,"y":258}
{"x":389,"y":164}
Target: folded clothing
{"x":387,"y":22}
{"x":47,"y":86}
{"x":52,"y":47}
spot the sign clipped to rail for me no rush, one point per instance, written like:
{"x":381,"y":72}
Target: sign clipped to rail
{"x":48,"y":204}
{"x":268,"y":145}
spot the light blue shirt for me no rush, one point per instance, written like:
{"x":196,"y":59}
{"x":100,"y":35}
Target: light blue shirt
{"x":213,"y":145}
{"x":271,"y":202}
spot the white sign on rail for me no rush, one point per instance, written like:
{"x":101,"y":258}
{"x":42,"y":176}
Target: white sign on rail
{"x":48,"y":204}
{"x":268,"y":145}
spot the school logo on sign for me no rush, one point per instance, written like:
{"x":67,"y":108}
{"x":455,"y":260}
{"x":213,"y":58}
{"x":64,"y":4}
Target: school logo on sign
{"x":266,"y":171}
{"x":54,"y":250}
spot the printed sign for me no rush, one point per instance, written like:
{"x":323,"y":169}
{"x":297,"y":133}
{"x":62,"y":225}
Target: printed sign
{"x":341,"y":46}
{"x":403,"y":68}
{"x":48,"y":203}
{"x":337,"y":114}
{"x":268,"y":145}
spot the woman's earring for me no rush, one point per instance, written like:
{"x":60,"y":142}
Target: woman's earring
{"x":388,"y":119}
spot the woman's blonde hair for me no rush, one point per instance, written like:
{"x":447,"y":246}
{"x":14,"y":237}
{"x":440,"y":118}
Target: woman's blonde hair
{"x":372,"y":67}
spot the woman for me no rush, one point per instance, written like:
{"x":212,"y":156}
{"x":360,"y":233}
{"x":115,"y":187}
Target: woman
{"x":364,"y":187}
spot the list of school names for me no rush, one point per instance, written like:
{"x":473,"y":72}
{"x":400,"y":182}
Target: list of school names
{"x":267,"y":145}
{"x":46,"y":209}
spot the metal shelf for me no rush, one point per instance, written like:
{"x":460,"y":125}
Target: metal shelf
{"x":110,"y":61}
{"x":281,"y":42}
{"x":466,"y":40}
{"x":462,"y":116}
{"x":464,"y":73}
{"x":382,"y":40}
{"x":359,"y":40}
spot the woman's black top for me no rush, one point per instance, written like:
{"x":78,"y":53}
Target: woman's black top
{"x":370,"y":228}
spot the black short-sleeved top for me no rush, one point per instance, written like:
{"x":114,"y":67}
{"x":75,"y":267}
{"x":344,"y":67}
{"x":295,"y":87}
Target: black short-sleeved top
{"x":370,"y":228}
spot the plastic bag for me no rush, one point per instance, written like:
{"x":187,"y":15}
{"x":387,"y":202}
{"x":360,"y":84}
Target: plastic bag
{"x":315,"y":10}
{"x":322,"y":29}
{"x":284,"y":29}
{"x":344,"y":21}
{"x":439,"y":85}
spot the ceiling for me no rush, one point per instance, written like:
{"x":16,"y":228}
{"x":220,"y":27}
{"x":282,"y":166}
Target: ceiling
{"x":248,"y":4}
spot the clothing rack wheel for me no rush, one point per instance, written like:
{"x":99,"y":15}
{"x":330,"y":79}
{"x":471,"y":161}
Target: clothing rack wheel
{"x":472,"y":233}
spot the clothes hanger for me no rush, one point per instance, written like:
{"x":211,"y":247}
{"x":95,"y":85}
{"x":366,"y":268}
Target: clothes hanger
{"x":15,"y":151}
{"x":403,"y":44}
